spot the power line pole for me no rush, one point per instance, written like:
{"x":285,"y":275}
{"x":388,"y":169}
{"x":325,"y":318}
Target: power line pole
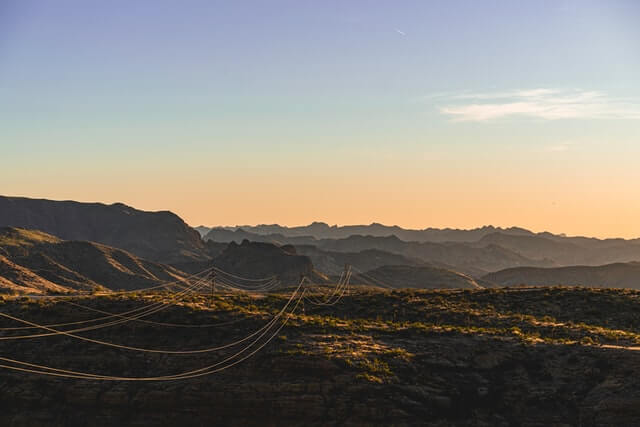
{"x":213,"y":287}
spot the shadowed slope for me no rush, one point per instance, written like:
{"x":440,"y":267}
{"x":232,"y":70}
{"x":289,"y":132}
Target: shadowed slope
{"x":420,"y":277}
{"x":40,"y":263}
{"x":15,"y":279}
{"x":619,"y":275}
{"x":157,"y":236}
{"x":257,"y":260}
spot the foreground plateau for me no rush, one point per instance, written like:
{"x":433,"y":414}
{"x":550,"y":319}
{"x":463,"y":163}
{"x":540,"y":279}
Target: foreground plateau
{"x":529,"y":356}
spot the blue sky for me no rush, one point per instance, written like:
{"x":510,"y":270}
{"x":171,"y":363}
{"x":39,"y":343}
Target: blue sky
{"x":440,"y":113}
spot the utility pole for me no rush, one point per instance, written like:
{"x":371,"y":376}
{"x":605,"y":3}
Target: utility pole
{"x":347,"y":276}
{"x":213,"y":287}
{"x":302,"y":277}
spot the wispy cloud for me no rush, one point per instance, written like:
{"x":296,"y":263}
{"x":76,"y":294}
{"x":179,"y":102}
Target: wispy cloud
{"x":540,"y":103}
{"x":402,"y":33}
{"x":559,"y":147}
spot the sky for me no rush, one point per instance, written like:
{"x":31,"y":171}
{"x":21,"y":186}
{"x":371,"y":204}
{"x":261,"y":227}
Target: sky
{"x":416,"y":113}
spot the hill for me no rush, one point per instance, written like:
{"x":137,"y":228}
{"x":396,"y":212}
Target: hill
{"x":259,"y":259}
{"x":565,"y":251}
{"x":156,"y":236}
{"x":332,"y":262}
{"x":462,"y":257}
{"x":618,"y":275}
{"x":16,"y":279}
{"x":418,"y":277}
{"x":38,"y":263}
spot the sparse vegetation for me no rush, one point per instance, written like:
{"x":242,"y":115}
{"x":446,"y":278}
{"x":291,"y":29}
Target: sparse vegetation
{"x":427,"y":346}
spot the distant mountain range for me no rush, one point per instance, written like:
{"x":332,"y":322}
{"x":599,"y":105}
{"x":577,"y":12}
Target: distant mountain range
{"x":89,"y":233}
{"x":491,"y":251}
{"x":321,"y":230}
{"x":618,"y":275}
{"x":465,"y":258}
{"x":567,"y":250}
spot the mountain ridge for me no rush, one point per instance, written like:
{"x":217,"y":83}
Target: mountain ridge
{"x":615,"y":275}
{"x":157,"y":236}
{"x":319,"y":230}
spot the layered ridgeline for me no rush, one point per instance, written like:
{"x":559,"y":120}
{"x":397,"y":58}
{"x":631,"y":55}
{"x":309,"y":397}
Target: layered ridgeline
{"x":317,"y":249}
{"x":618,"y":275}
{"x":333,"y":262}
{"x":475,"y":252}
{"x":385,"y":269}
{"x":33,"y":262}
{"x":467,"y":258}
{"x":156,"y":236}
{"x":321,"y":230}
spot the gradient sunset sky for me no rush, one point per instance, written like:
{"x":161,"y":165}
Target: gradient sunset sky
{"x":416,"y":113}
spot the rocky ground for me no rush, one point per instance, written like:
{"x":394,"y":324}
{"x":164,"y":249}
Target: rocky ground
{"x":523,"y":357}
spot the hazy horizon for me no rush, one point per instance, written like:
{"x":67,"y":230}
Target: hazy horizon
{"x":421,"y":114}
{"x":419,"y":228}
{"x":503,"y":227}
{"x":331,"y":224}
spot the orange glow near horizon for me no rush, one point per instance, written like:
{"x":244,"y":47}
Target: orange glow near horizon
{"x":589,"y":190}
{"x":556,"y":205}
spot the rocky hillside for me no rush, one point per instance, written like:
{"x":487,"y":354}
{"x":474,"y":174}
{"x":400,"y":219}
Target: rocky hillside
{"x":34,"y":262}
{"x":531,"y":357}
{"x":156,"y":236}
{"x":258,"y":260}
{"x":619,"y":275}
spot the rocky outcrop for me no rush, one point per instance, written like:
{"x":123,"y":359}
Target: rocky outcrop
{"x":258,"y":260}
